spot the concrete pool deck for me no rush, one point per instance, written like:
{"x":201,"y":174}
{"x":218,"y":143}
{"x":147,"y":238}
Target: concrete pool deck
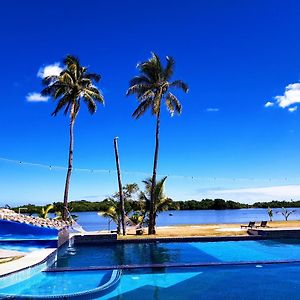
{"x":10,"y":253}
{"x":29,"y":260}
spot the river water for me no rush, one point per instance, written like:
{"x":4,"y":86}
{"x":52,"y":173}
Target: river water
{"x":92,"y":221}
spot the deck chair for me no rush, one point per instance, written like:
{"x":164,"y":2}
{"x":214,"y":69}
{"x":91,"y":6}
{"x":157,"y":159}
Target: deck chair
{"x":263,"y":224}
{"x":251,"y":225}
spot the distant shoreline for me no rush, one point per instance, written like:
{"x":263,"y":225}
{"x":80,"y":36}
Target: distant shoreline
{"x":204,"y":204}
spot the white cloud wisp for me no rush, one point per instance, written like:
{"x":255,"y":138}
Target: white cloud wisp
{"x":212,"y":109}
{"x":36,"y":97}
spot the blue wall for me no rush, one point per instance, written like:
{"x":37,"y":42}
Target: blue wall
{"x":15,"y":228}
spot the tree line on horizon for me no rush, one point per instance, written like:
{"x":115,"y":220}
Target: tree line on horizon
{"x":134,"y":205}
{"x":151,"y":87}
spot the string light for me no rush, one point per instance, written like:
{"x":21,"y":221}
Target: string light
{"x":110,"y":171}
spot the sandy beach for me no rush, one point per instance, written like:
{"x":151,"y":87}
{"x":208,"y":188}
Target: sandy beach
{"x":207,"y":230}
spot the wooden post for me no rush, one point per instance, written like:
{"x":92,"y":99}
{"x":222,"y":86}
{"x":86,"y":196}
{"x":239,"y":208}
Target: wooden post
{"x":122,"y":206}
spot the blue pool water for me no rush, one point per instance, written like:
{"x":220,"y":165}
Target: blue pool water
{"x":176,"y":252}
{"x":255,"y":282}
{"x":244,"y":282}
{"x":263,"y":282}
{"x":60,"y":283}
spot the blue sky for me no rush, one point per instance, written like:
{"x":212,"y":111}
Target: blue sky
{"x":237,"y":137}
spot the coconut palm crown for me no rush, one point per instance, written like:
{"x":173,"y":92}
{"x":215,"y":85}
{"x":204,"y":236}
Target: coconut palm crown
{"x":153,"y":84}
{"x":72,"y":86}
{"x":151,"y":87}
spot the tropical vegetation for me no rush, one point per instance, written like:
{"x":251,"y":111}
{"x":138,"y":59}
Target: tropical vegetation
{"x":204,"y":204}
{"x":113,"y":210}
{"x":286,"y":213}
{"x":151,"y":86}
{"x":139,"y":215}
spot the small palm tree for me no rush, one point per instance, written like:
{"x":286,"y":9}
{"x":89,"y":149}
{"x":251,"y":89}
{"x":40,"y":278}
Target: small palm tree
{"x":151,"y":87}
{"x":45,"y":211}
{"x":113,"y":212}
{"x":161,"y":202}
{"x":72,"y":86}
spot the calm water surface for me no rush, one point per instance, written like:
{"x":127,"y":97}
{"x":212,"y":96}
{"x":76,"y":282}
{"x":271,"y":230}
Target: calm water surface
{"x":92,"y":221}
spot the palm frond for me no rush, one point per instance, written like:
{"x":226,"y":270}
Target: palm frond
{"x":142,"y":108}
{"x":141,"y":79}
{"x":50,"y":79}
{"x":159,"y":187}
{"x":65,"y":100}
{"x":173,"y":104}
{"x":93,"y":76}
{"x":169,"y":70}
{"x":180,"y":84}
{"x":92,"y":107}
{"x":138,"y":89}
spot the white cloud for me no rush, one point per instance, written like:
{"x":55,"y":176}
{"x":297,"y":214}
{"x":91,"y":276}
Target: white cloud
{"x":36,"y":97}
{"x":49,"y":70}
{"x":292,"y":109}
{"x":212,"y":109}
{"x":54,"y":69}
{"x":251,"y":195}
{"x":269,"y":104}
{"x":290,"y":96}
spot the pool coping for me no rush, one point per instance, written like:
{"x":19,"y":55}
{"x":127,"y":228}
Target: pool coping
{"x":172,"y":265}
{"x":94,"y":239}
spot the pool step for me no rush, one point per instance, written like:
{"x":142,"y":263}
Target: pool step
{"x":99,"y":291}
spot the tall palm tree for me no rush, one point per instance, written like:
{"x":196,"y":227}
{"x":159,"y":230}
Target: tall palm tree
{"x":72,"y":86}
{"x":152,"y":86}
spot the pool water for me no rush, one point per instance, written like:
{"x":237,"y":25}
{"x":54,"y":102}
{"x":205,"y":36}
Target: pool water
{"x":264,"y":282}
{"x":174,"y":252}
{"x":244,"y":282}
{"x":58,"y":283}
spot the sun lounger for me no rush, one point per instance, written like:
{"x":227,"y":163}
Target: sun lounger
{"x":263,"y":224}
{"x":251,"y":225}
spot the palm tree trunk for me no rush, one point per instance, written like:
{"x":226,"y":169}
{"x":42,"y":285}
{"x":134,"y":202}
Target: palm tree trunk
{"x":70,"y":167}
{"x":121,"y":196}
{"x":152,"y":221}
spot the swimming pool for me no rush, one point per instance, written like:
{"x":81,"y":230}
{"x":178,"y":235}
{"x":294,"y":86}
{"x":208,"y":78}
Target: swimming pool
{"x":113,"y":254}
{"x":276,"y":281}
{"x":79,"y":269}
